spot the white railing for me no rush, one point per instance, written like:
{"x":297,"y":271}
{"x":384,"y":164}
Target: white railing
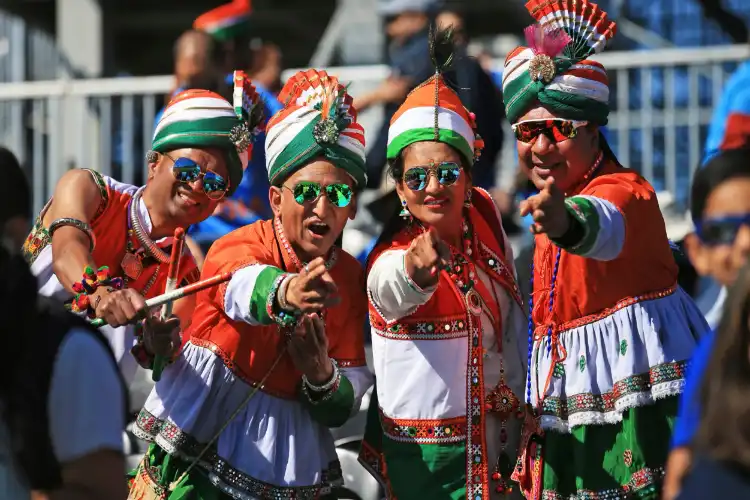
{"x":662,"y":103}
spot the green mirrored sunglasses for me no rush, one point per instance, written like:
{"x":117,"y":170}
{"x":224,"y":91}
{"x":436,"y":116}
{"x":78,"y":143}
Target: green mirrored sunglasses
{"x":338,"y":193}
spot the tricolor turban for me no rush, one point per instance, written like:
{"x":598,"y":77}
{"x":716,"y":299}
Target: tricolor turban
{"x":203,"y":119}
{"x":318,"y":121}
{"x":553,"y":69}
{"x":225,"y":21}
{"x":434,"y":112}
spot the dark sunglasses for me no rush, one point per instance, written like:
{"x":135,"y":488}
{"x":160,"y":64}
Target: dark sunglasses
{"x":187,"y":171}
{"x":338,"y":193}
{"x":555,"y":129}
{"x":447,"y":173}
{"x":721,"y":230}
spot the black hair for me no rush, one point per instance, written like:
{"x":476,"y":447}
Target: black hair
{"x":15,"y":191}
{"x":728,"y":164}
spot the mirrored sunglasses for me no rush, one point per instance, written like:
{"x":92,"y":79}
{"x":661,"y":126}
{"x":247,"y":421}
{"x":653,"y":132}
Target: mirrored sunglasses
{"x":417,"y":178}
{"x":556,"y":130}
{"x":187,"y":171}
{"x":338,"y":193}
{"x":721,"y":230}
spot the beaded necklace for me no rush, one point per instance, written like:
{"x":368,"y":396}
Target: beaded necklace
{"x":551,"y":302}
{"x":293,"y":255}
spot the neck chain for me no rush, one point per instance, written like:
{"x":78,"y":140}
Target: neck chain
{"x":293,"y":255}
{"x":136,"y":225}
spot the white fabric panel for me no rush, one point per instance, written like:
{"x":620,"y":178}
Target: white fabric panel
{"x":239,"y":291}
{"x":611,"y":236}
{"x":391,"y":289}
{"x":656,"y":331}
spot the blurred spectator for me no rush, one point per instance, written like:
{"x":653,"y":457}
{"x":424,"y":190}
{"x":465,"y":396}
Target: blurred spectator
{"x":265,"y":69}
{"x":722,"y":444}
{"x":480,"y":95}
{"x":406,"y":24}
{"x":229,"y":26}
{"x":730,"y":124}
{"x":196,"y":64}
{"x":15,"y":194}
{"x":62,"y":400}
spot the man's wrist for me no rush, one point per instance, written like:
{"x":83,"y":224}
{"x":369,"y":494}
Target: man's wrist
{"x":321,"y":377}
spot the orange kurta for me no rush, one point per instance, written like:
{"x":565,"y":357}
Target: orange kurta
{"x":248,"y":350}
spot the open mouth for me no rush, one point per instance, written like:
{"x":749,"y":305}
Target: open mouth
{"x":318,"y":229}
{"x":546,"y":169}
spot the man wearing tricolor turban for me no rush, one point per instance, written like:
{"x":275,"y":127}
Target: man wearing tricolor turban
{"x":276,"y":355}
{"x":610,"y":330}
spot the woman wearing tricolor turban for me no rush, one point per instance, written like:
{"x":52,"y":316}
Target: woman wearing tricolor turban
{"x":446,"y":314}
{"x":275,"y":356}
{"x":610,"y":330}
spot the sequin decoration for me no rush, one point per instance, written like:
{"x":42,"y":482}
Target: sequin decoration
{"x":627,"y":457}
{"x":582,"y":363}
{"x":623,"y":347}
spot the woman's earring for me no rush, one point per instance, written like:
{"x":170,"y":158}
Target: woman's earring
{"x":405,"y":214}
{"x":467,"y":202}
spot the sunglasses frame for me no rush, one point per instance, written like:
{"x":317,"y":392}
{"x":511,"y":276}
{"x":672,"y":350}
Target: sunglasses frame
{"x":201,"y":175}
{"x":576,"y":125}
{"x":737,"y":220}
{"x":322,"y":190}
{"x":430,"y":170}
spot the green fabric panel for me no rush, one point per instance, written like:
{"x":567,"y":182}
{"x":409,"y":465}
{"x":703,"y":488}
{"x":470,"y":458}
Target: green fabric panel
{"x":195,"y":135}
{"x":261,"y":291}
{"x":229,"y":32}
{"x":336,"y":410}
{"x":584,"y":212}
{"x":434,"y":471}
{"x":599,"y":458}
{"x":194,"y":486}
{"x":303,"y":149}
{"x":447,"y":136}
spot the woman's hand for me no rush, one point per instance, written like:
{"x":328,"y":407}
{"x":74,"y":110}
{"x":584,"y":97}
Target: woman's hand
{"x":117,"y":307}
{"x":313,"y":289}
{"x":162,"y":338}
{"x":308,"y":348}
{"x":424,"y":258}
{"x":548,"y":210}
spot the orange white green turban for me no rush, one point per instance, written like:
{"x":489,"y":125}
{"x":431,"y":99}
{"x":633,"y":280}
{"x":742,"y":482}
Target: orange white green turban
{"x":318,"y":121}
{"x":225,"y":21}
{"x":554,"y":70}
{"x":434,"y":112}
{"x":203,"y":119}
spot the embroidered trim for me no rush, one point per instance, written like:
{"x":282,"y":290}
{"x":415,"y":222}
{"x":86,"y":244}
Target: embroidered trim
{"x":643,"y":479}
{"x":491,"y":261}
{"x":224,"y":476}
{"x":36,"y":241}
{"x":447,"y":327}
{"x":661,"y":381}
{"x":229,"y":363}
{"x":436,"y":431}
{"x":476,"y":447}
{"x":622,"y":304}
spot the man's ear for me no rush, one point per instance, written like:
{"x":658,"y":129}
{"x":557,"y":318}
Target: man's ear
{"x":354,"y":206}
{"x":274,"y":199}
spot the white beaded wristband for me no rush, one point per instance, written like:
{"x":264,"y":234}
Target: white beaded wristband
{"x":328,"y":385}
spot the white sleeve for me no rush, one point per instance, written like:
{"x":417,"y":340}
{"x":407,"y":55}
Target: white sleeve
{"x":86,"y":400}
{"x":248,"y":292}
{"x":392,"y":290}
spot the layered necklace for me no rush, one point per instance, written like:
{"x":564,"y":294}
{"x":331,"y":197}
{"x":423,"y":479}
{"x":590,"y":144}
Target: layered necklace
{"x":132,"y":261}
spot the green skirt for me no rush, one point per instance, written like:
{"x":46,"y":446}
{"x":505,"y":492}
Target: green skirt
{"x":612,"y":461}
{"x":159,"y":470}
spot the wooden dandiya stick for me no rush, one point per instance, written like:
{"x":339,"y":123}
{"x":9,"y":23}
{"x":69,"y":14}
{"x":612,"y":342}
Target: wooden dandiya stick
{"x":166,"y":309}
{"x":179,"y":293}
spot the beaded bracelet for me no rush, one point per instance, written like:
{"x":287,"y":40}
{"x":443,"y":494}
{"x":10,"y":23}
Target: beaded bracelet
{"x":328,"y":385}
{"x":317,"y":397}
{"x":87,"y":286}
{"x":281,"y":295}
{"x":283,"y":318}
{"x":78,"y":224}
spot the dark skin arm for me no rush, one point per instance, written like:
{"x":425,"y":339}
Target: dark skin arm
{"x":678,"y":465}
{"x":96,"y":476}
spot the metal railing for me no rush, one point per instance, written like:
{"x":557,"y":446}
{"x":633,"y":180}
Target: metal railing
{"x":662,"y":102}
